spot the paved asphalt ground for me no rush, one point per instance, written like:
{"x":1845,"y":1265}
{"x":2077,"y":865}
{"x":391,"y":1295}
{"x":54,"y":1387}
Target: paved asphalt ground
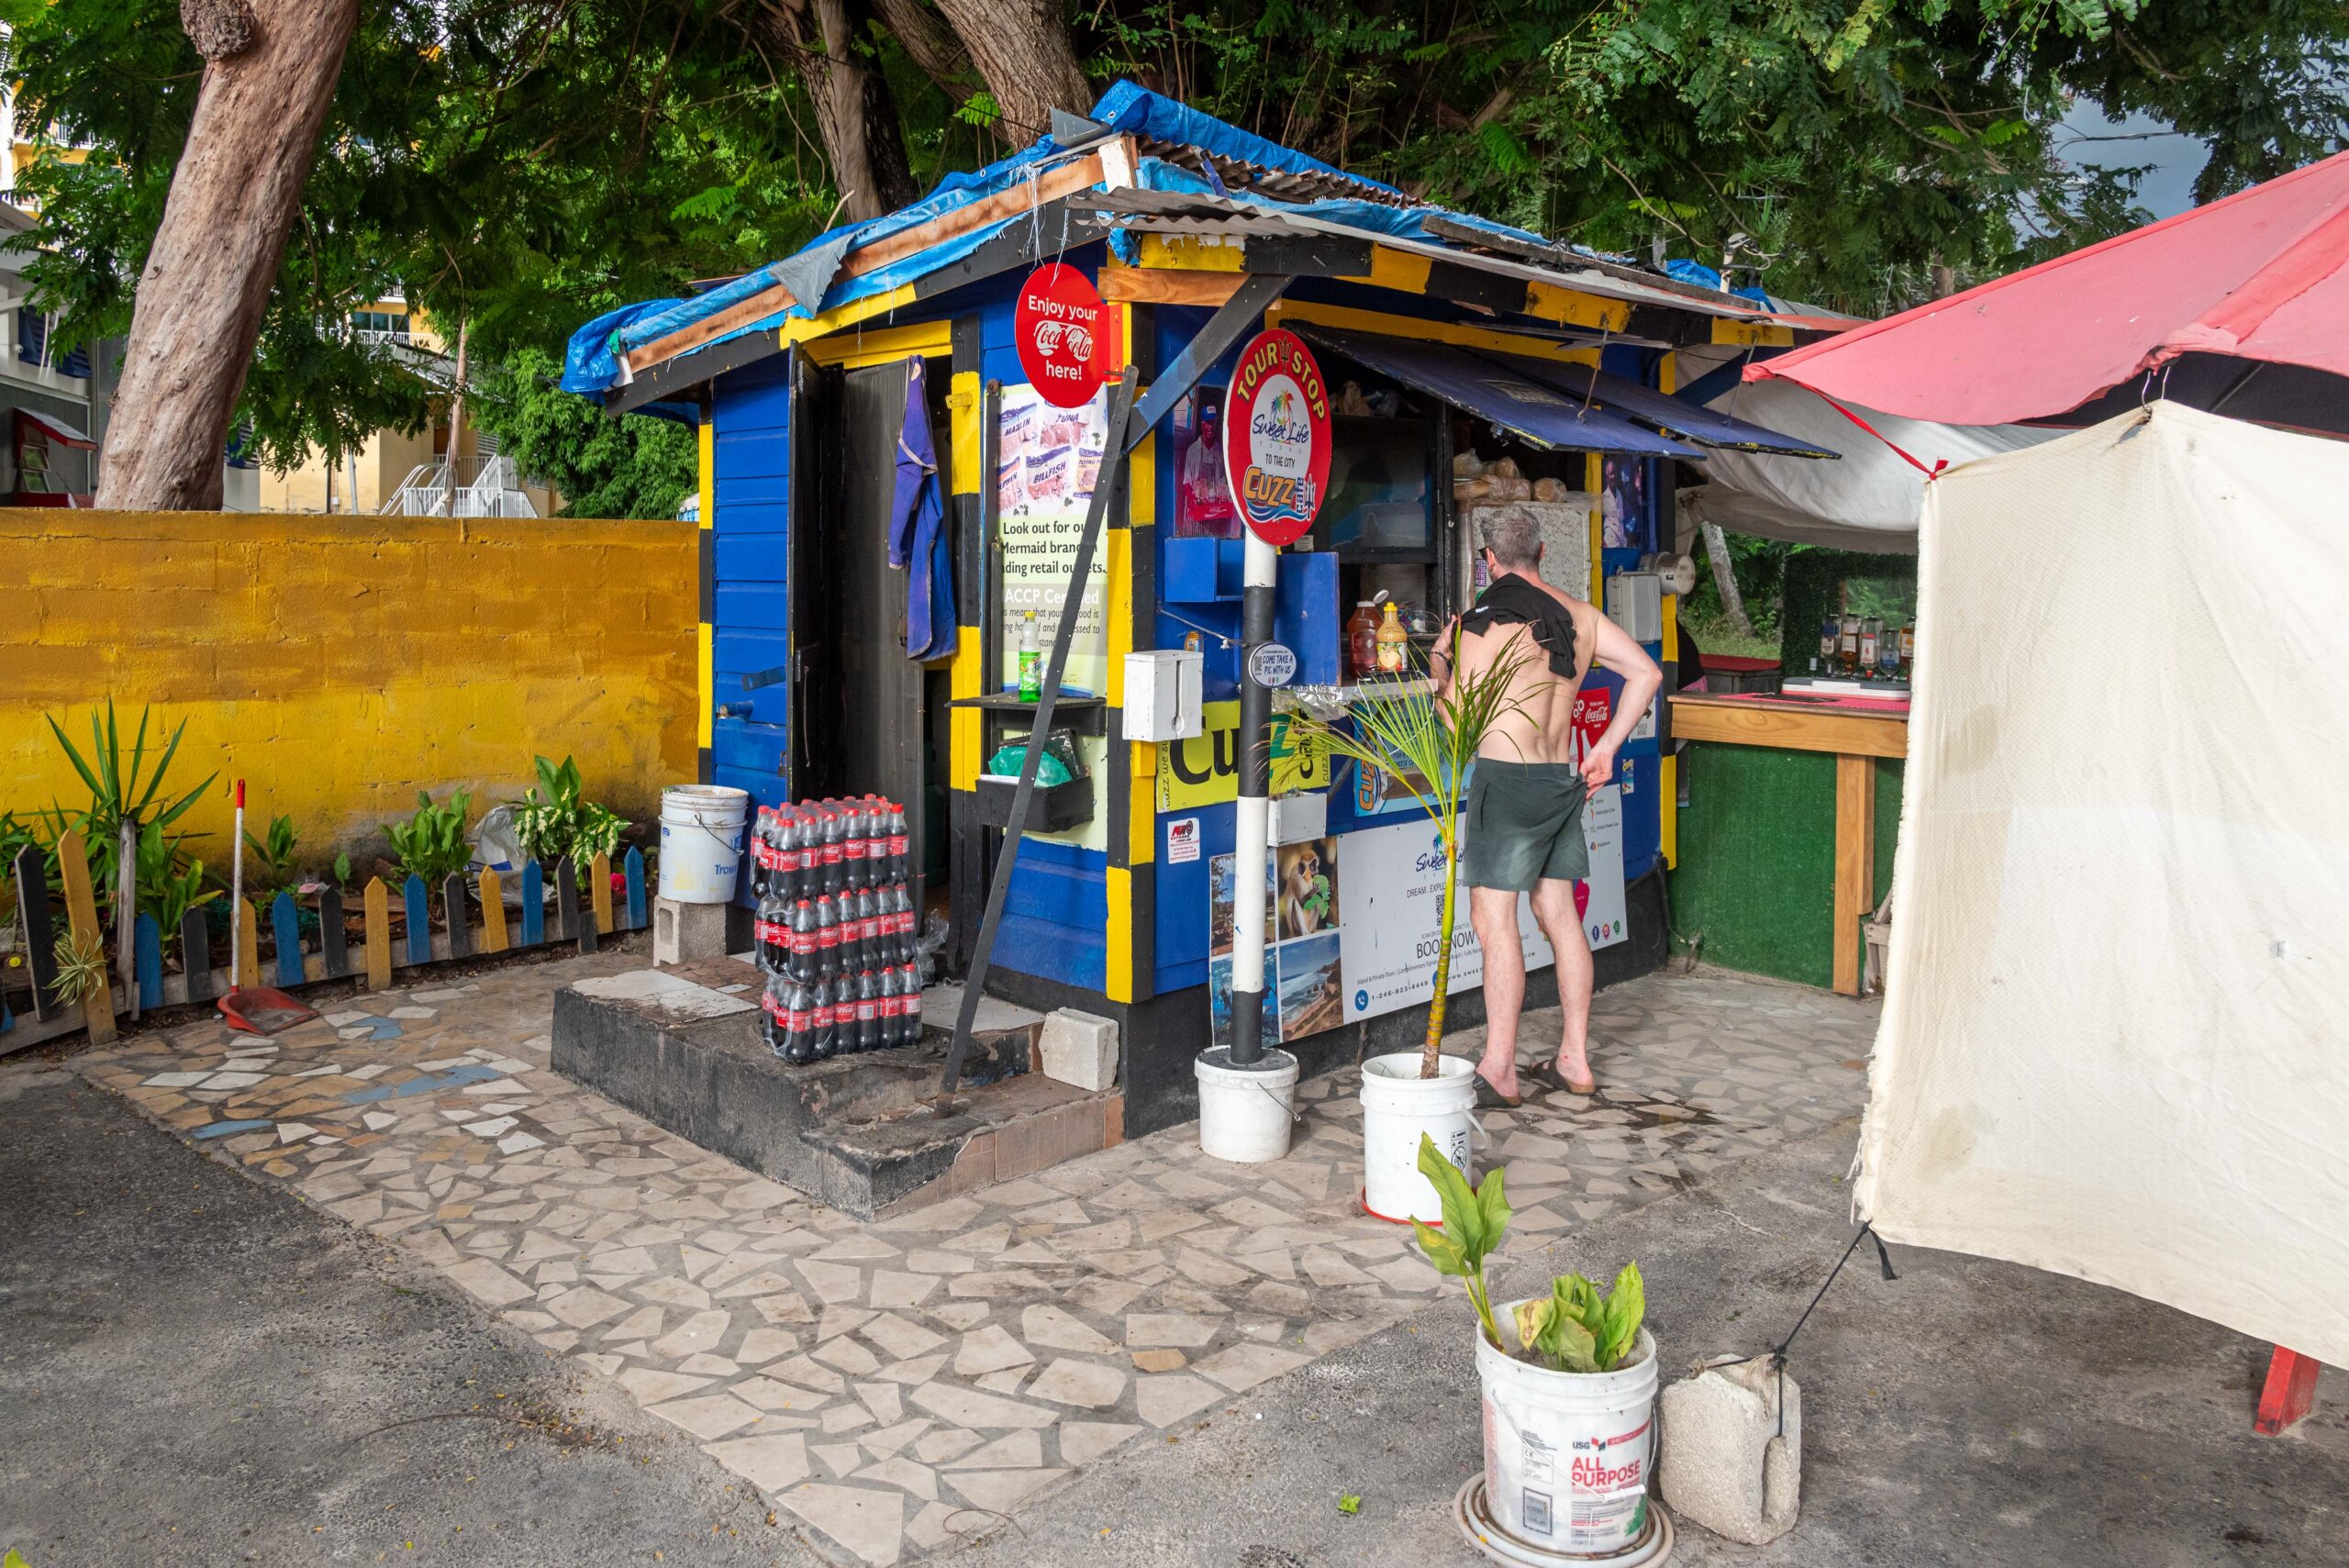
{"x":194,"y":1369}
{"x":1970,"y":1414}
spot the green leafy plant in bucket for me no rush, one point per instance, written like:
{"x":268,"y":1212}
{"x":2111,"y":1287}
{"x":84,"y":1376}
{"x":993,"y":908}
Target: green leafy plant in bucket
{"x":1425,"y":743}
{"x":1573,"y":1329}
{"x":554,"y":819}
{"x":431,"y":844}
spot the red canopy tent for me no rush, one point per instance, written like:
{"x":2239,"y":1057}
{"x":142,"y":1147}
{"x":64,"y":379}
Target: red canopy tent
{"x":2240,"y":307}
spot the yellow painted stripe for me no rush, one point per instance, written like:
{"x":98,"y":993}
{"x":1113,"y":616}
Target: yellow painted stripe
{"x":1667,"y":374}
{"x":1141,"y":804}
{"x":849,"y":314}
{"x":1591,"y":474}
{"x":1758,"y":334}
{"x":964,"y":405}
{"x":964,"y":733}
{"x":1667,"y":807}
{"x":1118,"y":951}
{"x":1397,"y":270}
{"x":885,"y":345}
{"x":705,"y":662}
{"x":1291,"y":312}
{"x":709,"y":473}
{"x":1120,"y":632}
{"x":1572,"y":307}
{"x":1667,"y":804}
{"x":1192,"y":252}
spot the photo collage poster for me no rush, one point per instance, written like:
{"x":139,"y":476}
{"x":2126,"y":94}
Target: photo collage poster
{"x":1303,"y":992}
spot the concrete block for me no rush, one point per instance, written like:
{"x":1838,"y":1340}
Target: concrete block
{"x":684,"y":933}
{"x":1726,"y":1465}
{"x":1080,"y":1049}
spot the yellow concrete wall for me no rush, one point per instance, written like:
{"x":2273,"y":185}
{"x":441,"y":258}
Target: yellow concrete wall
{"x":339,"y":664}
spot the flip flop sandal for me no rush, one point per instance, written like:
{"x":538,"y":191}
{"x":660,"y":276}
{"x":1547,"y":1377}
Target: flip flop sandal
{"x":1491,"y":1100}
{"x":1549,"y":1078}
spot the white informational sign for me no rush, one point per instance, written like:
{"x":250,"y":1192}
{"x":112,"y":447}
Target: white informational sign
{"x":1182,"y":841}
{"x":1047,"y":458}
{"x":1390,"y":902}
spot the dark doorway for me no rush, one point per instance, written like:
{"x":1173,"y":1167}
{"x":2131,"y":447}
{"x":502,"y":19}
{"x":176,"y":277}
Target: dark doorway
{"x":860,"y":701}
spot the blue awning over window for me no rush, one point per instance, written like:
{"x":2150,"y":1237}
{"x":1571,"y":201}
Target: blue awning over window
{"x":1536,"y":409}
{"x":1661,"y":411}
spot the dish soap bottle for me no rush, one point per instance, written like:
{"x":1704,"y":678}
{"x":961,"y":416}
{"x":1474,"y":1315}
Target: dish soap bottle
{"x":1031,"y":662}
{"x":1362,"y":640}
{"x":1393,"y":644}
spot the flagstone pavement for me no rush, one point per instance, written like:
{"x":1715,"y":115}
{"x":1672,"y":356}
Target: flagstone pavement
{"x":894,"y":1384}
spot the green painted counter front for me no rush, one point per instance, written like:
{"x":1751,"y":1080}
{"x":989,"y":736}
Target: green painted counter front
{"x":1755,"y":886}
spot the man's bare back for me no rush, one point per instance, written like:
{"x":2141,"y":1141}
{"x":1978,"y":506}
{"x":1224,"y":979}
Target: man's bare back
{"x":1539,"y":727}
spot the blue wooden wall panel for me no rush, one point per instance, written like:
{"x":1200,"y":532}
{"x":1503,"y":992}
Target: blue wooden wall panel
{"x":754,"y":605}
{"x":757,"y":748}
{"x":1182,"y":921}
{"x":750,"y":558}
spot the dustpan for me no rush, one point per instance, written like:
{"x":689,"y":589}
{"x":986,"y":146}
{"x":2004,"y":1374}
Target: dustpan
{"x":256,"y":1009}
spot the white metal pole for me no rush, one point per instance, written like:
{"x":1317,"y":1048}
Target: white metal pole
{"x":1251,"y":838}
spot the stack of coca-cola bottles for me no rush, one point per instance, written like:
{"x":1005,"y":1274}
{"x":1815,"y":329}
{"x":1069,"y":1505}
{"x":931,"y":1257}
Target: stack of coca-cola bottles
{"x":836,"y":927}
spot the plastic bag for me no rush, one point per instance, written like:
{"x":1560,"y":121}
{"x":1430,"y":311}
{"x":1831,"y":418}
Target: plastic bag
{"x":497,"y":846}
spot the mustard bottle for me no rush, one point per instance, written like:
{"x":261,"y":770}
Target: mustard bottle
{"x":1393,"y":644}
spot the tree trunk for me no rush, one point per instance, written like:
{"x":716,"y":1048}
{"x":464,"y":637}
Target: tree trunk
{"x":856,"y":115}
{"x":929,"y":43}
{"x":1725,"y":578}
{"x":1022,"y":50}
{"x":200,"y":299}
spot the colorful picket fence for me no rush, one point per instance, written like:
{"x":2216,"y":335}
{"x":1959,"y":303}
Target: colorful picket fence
{"x":378,"y":956}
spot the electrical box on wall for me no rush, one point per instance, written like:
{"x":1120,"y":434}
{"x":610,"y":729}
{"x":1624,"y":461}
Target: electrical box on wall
{"x":1296,"y":818}
{"x":1164,"y":700}
{"x":1635,"y":602}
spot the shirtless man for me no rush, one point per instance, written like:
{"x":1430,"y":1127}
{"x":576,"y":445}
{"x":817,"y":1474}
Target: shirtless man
{"x":1525,"y":799}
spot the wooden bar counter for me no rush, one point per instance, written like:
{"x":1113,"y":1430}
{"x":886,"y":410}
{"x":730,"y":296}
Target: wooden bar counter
{"x":1855,"y":731}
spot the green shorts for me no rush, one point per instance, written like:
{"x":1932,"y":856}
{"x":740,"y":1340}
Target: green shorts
{"x":1524,"y":825}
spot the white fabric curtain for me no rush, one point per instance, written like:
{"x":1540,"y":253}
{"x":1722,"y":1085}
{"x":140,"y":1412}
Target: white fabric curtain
{"x":1866,"y":499}
{"x":2116,"y":1040}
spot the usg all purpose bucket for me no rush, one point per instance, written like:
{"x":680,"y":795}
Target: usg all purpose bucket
{"x":1567,"y":1456}
{"x":1397,"y":1106}
{"x":701,"y":841}
{"x":1245,"y":1113}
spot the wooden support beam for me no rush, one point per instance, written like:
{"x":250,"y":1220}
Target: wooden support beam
{"x":1855,"y":864}
{"x":377,"y":904}
{"x":493,"y":912}
{"x":1164,"y":285}
{"x":82,"y":919}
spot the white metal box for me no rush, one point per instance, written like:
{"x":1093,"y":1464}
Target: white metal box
{"x":1635,"y":602}
{"x":1296,"y":818}
{"x":1164,"y":694}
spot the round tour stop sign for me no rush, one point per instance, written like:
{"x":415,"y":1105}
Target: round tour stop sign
{"x":1057,"y":326}
{"x":1276,"y":436}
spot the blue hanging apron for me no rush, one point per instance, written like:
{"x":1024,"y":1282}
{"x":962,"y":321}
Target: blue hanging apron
{"x":917,"y":537}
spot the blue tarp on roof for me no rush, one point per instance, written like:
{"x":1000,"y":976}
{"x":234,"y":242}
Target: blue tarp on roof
{"x":812,"y":274}
{"x":1538,"y":408}
{"x":1661,"y":411}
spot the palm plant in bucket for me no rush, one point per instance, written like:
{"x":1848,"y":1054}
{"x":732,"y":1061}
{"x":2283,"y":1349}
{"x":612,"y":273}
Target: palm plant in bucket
{"x":1425,"y":743}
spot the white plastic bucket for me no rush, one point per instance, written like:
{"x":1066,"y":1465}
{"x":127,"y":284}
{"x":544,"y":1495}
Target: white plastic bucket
{"x":1245,"y":1113}
{"x":701,"y":841}
{"x":1398,"y":1107}
{"x":1568,"y":1456}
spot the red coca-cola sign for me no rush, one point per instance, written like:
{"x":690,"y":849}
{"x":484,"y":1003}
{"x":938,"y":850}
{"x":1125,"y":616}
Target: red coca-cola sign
{"x":1058,"y":326}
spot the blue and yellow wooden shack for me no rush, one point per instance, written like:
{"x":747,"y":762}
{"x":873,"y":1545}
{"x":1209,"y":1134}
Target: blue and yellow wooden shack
{"x":1456,"y":343}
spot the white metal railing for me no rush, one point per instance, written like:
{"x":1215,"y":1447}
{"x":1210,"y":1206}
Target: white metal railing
{"x":483,"y":486}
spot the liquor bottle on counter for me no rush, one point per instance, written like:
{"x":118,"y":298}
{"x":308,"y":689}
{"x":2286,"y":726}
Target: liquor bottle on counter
{"x":1830,"y":637}
{"x":1032,"y":660}
{"x":1887,"y":653}
{"x":1847,"y":646}
{"x":1871,"y":634}
{"x":1908,"y":653}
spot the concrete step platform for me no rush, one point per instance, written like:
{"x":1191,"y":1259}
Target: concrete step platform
{"x":863,"y":1134}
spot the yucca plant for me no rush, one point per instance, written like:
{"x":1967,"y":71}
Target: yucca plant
{"x":117,"y":791}
{"x":1409,"y":731}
